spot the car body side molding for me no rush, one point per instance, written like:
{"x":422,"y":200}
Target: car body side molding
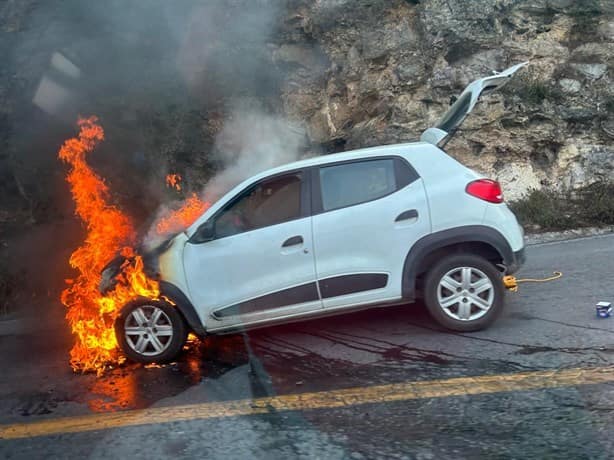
{"x":351,"y":284}
{"x":465,"y":234}
{"x":329,"y":287}
{"x":303,"y":293}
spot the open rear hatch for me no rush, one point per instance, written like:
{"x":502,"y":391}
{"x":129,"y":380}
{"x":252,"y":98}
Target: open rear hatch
{"x":443,"y":131}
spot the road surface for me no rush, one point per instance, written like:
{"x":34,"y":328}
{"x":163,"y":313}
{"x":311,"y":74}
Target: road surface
{"x":386,"y":383}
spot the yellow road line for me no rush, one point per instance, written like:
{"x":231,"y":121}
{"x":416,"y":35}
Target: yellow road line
{"x":485,"y":384}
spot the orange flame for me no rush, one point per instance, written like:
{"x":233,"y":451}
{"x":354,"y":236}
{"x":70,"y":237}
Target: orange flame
{"x":91,"y":315}
{"x":180,"y":219}
{"x":174,"y":181}
{"x":109,"y":231}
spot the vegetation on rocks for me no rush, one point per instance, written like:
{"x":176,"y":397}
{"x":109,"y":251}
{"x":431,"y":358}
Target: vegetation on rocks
{"x":547,"y":210}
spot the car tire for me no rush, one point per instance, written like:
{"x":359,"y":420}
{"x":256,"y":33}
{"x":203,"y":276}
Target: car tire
{"x":464,"y":292}
{"x":150,"y":331}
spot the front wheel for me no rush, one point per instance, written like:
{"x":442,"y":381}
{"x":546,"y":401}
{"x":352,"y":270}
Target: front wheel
{"x":464,"y":292}
{"x":150,"y":331}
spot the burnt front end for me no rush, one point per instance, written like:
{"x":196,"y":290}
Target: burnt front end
{"x":163,"y":264}
{"x":111,"y":273}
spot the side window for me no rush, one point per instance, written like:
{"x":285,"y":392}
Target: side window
{"x":268,"y":203}
{"x":353,"y":183}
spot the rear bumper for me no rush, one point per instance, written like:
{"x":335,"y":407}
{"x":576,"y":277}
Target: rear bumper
{"x":518,"y":259}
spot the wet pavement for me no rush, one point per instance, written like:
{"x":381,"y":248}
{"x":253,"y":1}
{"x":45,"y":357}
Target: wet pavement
{"x":544,"y":327}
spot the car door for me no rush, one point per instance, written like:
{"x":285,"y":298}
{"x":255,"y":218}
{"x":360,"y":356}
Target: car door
{"x":257,"y":264}
{"x":367,"y":215}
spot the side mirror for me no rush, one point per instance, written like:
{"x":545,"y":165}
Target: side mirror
{"x":204,"y":233}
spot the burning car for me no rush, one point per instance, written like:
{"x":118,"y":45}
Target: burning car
{"x":327,"y":235}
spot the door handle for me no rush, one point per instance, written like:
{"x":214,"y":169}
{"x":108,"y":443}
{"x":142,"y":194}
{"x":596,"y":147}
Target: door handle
{"x":405,"y":215}
{"x":293,"y":241}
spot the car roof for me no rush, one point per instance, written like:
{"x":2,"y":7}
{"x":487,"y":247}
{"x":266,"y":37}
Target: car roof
{"x":391,"y":149}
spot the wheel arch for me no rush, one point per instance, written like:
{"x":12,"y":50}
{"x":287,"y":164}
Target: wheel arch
{"x":476,"y":239}
{"x":185,"y":307}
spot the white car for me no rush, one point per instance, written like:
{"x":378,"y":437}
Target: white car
{"x":324,"y":236}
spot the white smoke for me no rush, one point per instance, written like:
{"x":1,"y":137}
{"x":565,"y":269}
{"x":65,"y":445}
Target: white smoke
{"x":250,"y":142}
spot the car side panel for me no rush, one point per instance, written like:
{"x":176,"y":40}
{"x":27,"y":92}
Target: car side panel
{"x":170,"y":264}
{"x":364,"y":244}
{"x":445,"y":180}
{"x":500,"y":217}
{"x":233,"y":276}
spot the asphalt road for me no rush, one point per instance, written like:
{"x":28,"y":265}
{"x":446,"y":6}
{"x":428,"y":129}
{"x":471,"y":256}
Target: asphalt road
{"x":386,"y":383}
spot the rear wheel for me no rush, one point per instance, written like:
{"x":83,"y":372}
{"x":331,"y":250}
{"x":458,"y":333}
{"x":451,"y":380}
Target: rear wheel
{"x":150,"y":331}
{"x":464,"y":292}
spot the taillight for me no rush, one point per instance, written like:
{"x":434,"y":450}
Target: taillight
{"x":485,"y":189}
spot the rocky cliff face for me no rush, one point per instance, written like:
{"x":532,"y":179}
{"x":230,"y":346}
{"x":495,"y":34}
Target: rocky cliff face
{"x":166,"y":77}
{"x":367,"y":72}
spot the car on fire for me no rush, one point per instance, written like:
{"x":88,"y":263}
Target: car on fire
{"x":366,"y":228}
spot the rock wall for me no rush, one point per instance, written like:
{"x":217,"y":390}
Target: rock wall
{"x":165,"y":78}
{"x":367,"y":72}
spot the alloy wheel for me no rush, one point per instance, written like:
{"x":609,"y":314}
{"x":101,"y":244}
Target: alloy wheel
{"x":148,"y":330}
{"x":465,"y":293}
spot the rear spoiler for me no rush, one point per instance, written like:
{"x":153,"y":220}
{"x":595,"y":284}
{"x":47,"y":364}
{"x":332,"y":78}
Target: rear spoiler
{"x":443,"y":131}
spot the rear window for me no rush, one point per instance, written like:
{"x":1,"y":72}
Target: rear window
{"x":353,"y":183}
